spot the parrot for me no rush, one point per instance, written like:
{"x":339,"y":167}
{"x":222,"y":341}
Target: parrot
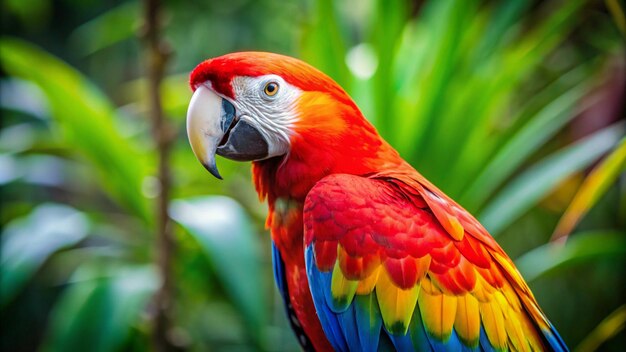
{"x":368,"y":255}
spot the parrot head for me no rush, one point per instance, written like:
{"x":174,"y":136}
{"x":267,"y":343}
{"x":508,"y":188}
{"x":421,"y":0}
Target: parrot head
{"x":256,"y":106}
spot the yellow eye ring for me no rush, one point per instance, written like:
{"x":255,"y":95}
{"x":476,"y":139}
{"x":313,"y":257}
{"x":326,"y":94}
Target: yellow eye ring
{"x":271,"y":88}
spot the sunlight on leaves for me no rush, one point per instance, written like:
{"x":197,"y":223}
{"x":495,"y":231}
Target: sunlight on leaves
{"x":594,"y":186}
{"x":608,"y":328}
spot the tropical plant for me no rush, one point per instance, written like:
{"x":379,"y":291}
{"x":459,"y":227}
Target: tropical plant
{"x":481,"y":97}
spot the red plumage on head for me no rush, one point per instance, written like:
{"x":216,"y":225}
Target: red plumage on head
{"x":221,"y":70}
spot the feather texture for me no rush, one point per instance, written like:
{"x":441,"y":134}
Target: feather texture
{"x":400,"y":272}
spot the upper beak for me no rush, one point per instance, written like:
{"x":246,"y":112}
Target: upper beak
{"x":213,"y":127}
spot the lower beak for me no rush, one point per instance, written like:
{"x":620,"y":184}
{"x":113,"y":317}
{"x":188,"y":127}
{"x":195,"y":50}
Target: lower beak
{"x":213,"y":127}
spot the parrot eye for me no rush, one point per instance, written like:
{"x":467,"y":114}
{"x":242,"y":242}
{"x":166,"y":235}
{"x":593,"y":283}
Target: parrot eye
{"x":271,"y":88}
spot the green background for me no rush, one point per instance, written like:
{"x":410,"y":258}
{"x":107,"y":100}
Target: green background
{"x":505,"y":105}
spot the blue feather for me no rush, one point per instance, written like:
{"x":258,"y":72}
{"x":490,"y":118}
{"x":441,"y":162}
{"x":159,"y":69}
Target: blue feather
{"x":451,"y":344}
{"x":400,"y":342}
{"x":319,"y":283}
{"x":403,"y":342}
{"x":464,"y":347}
{"x":350,"y":328}
{"x":279,"y":275}
{"x":554,"y":340}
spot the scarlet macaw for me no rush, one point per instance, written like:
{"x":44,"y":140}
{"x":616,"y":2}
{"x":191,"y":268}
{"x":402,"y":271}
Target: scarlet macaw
{"x":368,"y":254}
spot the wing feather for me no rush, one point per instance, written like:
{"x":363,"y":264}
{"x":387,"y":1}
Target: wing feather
{"x":395,"y":263}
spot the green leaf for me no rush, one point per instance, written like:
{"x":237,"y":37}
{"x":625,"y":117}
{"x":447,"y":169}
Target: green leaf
{"x":28,"y":242}
{"x":32,"y":13}
{"x":531,"y":186}
{"x":582,"y":247}
{"x":531,"y":136}
{"x":595,"y":185}
{"x":445,"y":22}
{"x":489,"y":88}
{"x":225,"y":233}
{"x":618,"y":15}
{"x":501,"y":20}
{"x":323,"y":45}
{"x":392,"y":16}
{"x":447,"y":54}
{"x":98,"y":309}
{"x":86,"y":119}
{"x":111,"y":27}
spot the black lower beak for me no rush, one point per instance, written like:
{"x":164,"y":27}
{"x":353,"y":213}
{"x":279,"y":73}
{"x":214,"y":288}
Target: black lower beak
{"x":244,"y":143}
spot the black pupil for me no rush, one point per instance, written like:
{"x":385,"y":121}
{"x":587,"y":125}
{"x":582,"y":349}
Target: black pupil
{"x":271,"y":88}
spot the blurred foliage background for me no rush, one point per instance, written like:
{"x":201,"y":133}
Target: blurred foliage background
{"x":514,"y":108}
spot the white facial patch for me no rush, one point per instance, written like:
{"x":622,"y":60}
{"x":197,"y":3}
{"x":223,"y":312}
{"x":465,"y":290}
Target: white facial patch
{"x":273,"y":115}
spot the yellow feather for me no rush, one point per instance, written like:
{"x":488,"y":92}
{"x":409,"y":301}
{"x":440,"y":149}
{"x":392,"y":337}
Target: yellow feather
{"x":516,"y":334}
{"x":396,"y":305}
{"x":482,"y":290}
{"x":467,"y":320}
{"x":456,"y":229}
{"x":530,"y":332}
{"x":367,"y":285}
{"x":342,"y":289}
{"x":512,"y":323}
{"x":520,"y":290}
{"x":493,"y":321}
{"x":523,"y":291}
{"x":438,"y":313}
{"x":511,"y":298}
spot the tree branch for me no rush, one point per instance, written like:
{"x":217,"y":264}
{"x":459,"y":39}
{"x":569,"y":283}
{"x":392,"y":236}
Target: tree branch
{"x":157,"y":54}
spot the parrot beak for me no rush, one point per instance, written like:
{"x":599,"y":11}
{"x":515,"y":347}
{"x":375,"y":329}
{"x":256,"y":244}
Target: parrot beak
{"x":213,"y":127}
